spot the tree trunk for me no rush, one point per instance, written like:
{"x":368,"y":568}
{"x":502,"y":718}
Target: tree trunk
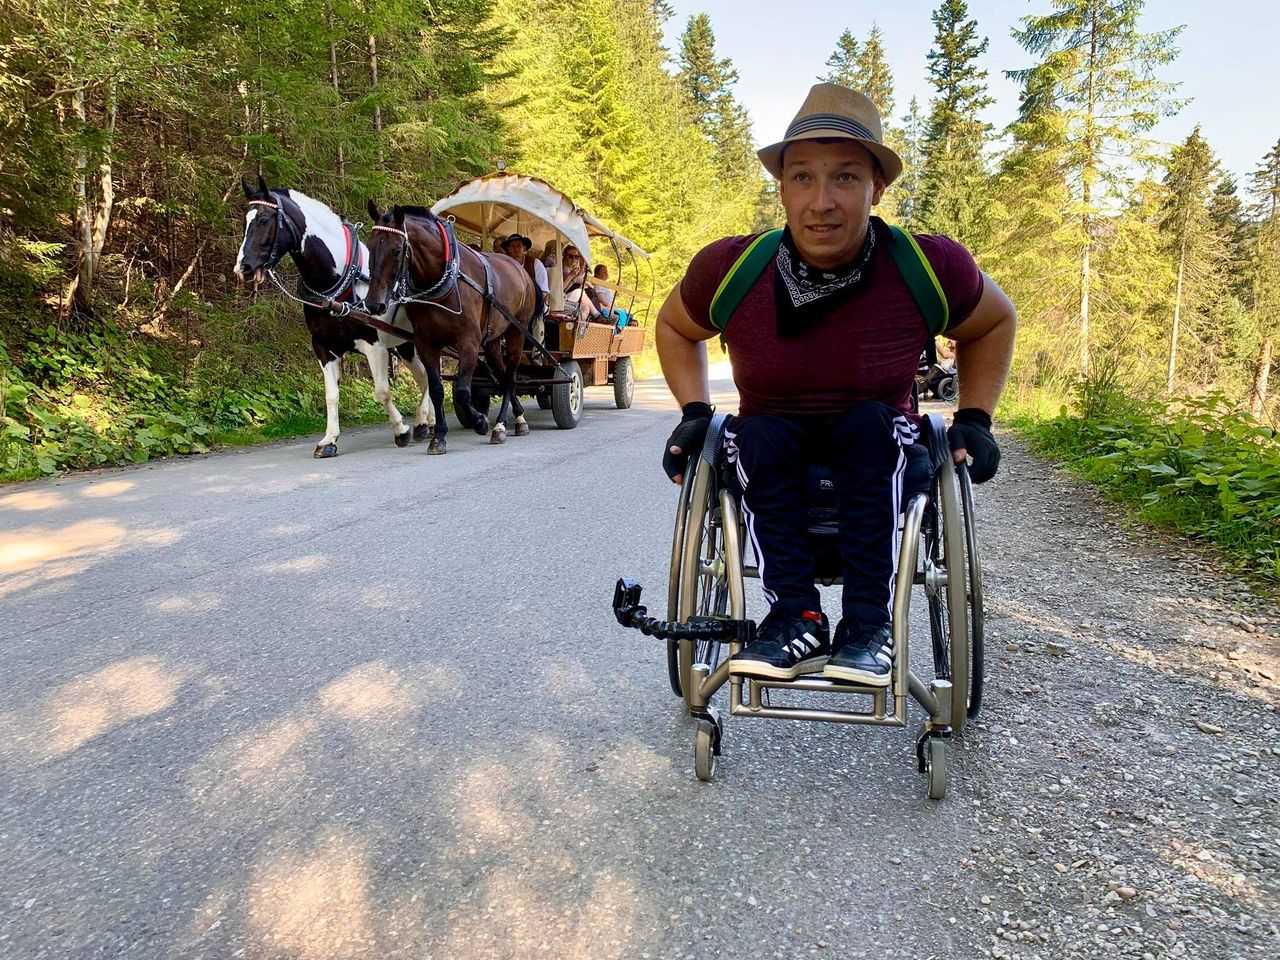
{"x":1084,"y":301}
{"x":1261,"y":375}
{"x":373,"y":78}
{"x":106,"y":189}
{"x":82,"y":286}
{"x":1177,"y":317}
{"x":1087,"y":195}
{"x":337,"y":91}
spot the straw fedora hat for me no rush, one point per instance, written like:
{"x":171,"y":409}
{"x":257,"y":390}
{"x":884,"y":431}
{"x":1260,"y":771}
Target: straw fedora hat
{"x":831,"y":111}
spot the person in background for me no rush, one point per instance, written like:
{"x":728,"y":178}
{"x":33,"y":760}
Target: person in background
{"x":604,"y":296}
{"x":578,"y":292}
{"x":517,"y":248}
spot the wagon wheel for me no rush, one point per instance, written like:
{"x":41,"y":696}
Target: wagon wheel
{"x":566,"y":398}
{"x":624,"y":382}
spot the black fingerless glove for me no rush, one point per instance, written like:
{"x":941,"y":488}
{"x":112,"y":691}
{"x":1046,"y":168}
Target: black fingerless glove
{"x":689,"y":437}
{"x":971,"y":431}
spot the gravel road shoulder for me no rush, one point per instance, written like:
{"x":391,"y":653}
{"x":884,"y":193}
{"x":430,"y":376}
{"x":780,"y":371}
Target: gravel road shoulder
{"x":1131,"y":723}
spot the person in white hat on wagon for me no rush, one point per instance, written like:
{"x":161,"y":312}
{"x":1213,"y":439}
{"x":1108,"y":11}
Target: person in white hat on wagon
{"x":828,"y":320}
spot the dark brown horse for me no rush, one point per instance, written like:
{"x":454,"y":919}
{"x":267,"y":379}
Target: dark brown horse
{"x":454,"y":298}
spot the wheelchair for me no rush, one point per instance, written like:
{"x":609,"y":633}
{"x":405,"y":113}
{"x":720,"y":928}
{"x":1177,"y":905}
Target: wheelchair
{"x":706,"y":619}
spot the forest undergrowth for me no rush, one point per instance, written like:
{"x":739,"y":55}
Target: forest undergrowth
{"x":1196,"y":465}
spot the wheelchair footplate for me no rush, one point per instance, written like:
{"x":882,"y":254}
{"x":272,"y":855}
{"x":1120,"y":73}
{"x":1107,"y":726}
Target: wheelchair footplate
{"x":750,"y":695}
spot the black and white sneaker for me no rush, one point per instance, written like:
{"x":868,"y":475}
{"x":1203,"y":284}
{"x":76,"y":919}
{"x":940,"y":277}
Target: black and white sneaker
{"x":861,"y":654}
{"x":785,"y":647}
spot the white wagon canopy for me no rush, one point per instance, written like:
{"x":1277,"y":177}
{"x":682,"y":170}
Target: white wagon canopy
{"x":573,"y":350}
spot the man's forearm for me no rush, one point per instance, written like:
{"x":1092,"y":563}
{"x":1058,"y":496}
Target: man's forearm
{"x":684,"y":364}
{"x":982,"y":366}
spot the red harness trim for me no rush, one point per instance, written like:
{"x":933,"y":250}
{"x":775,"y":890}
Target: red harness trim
{"x":444,"y":238}
{"x":351,"y":290}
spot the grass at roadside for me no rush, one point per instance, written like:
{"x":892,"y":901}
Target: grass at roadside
{"x":1197,"y":466}
{"x":74,"y":400}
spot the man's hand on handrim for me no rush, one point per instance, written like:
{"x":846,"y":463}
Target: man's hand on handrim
{"x":686,"y":439}
{"x":970,"y":436}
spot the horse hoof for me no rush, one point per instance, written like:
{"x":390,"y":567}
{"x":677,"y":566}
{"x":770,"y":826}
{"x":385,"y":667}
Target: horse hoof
{"x":481,"y":426}
{"x":499,"y":434}
{"x":422,"y":432}
{"x":326,"y":450}
{"x":522,"y":429}
{"x":435,"y":448}
{"x":402,"y":439}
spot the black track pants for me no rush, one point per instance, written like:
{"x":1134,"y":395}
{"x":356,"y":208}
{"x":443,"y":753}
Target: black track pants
{"x":864,"y":448}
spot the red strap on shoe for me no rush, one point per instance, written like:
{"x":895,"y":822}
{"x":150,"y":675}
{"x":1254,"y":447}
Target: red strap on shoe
{"x":813,"y":615}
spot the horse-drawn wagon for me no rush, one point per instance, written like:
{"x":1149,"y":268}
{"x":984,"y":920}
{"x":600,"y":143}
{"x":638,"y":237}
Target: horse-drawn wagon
{"x":573,"y":351}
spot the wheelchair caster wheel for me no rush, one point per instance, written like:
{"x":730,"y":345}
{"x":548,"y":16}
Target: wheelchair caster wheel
{"x":935,"y":753}
{"x":706,"y":746}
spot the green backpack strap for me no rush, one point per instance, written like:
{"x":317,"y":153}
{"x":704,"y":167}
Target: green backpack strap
{"x":742,"y":276}
{"x":920,"y":279}
{"x":910,"y":260}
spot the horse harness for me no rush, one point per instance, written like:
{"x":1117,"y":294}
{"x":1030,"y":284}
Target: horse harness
{"x":342,"y":293}
{"x":402,"y":289}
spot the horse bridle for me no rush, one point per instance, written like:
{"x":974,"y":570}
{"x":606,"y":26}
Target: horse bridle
{"x":282,"y":220}
{"x":402,"y":289}
{"x":345,"y":279}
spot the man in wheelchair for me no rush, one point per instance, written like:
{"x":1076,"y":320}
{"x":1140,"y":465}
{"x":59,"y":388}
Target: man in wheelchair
{"x":829,"y":318}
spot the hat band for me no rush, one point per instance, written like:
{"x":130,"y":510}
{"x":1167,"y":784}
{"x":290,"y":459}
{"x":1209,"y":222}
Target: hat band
{"x":830,"y":121}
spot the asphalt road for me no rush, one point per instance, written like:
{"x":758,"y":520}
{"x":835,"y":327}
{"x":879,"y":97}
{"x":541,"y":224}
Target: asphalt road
{"x":258,"y":705}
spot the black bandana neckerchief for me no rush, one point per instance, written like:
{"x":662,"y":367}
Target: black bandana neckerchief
{"x":804,"y":294}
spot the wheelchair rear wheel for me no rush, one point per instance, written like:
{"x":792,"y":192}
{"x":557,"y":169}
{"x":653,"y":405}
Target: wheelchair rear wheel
{"x":977,"y":615}
{"x":673,"y":584}
{"x":949,"y":609}
{"x":704,"y":571}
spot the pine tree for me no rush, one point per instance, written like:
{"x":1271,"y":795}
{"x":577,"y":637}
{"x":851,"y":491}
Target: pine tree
{"x":845,"y":63}
{"x":708,"y":81}
{"x":1100,"y":71}
{"x":1192,"y":243}
{"x":909,"y":186}
{"x":864,"y":68}
{"x":1234,"y":231}
{"x":1265,"y":289}
{"x":1265,"y":185}
{"x":1032,"y":250}
{"x":954,"y":173}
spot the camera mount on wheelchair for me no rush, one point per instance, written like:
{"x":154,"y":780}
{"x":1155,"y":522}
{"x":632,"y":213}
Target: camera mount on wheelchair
{"x":631,"y":613}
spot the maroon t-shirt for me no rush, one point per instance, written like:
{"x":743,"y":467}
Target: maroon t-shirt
{"x":866,"y":348}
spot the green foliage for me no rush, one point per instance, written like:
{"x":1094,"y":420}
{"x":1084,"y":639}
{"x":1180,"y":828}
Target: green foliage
{"x":1265,"y":185}
{"x":76,"y":400}
{"x":583,"y":93}
{"x":953,"y":182}
{"x":1095,"y":90}
{"x":708,"y":82}
{"x":1205,"y":469}
{"x":601,"y":118}
{"x":863,"y":67}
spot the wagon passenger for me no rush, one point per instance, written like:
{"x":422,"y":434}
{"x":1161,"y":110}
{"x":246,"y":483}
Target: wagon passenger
{"x":579,"y":295}
{"x":824,"y":347}
{"x":517,"y":248}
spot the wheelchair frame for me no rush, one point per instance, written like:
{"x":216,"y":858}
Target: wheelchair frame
{"x":938,"y":551}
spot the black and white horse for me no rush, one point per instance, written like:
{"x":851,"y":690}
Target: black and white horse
{"x":333,"y":267}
